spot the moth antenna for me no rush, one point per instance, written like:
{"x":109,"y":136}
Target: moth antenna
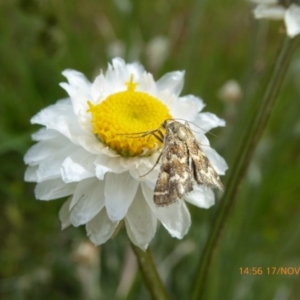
{"x":153,"y":132}
{"x":133,"y":133}
{"x":143,"y":133}
{"x":189,"y":122}
{"x":132,"y":137}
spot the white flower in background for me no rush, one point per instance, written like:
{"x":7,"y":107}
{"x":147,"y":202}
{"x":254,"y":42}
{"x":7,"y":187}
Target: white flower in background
{"x":83,"y":152}
{"x":279,"y":10}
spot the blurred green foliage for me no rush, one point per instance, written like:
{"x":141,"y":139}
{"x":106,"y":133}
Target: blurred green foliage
{"x":214,"y":41}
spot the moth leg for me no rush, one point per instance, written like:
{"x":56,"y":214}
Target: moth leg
{"x":156,"y":163}
{"x":160,"y":138}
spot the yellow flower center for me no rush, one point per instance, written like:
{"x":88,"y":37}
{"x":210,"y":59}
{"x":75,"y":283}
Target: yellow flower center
{"x":117,"y":118}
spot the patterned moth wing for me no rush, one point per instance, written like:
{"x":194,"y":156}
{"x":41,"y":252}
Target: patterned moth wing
{"x":175,"y":178}
{"x":203,"y":171}
{"x":182,"y":163}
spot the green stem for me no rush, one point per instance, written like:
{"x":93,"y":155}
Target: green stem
{"x":246,"y":149}
{"x":150,"y":274}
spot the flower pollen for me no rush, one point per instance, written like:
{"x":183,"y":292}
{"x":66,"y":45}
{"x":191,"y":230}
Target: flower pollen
{"x":125,"y":113}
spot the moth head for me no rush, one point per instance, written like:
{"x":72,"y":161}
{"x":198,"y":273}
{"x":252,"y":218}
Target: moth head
{"x":181,"y":132}
{"x":167,"y":123}
{"x":176,"y":128}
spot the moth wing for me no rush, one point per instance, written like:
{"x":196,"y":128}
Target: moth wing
{"x":175,"y":178}
{"x":203,"y":171}
{"x":161,"y":192}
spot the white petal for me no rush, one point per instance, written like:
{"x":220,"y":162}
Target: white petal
{"x":200,"y":137}
{"x":187,"y":108}
{"x":101,"y":171}
{"x":77,"y":79}
{"x":292,"y":20}
{"x":53,"y":189}
{"x":140,"y":222}
{"x":216,"y":160}
{"x":101,"y":228}
{"x":174,"y":217}
{"x":122,"y":71}
{"x":138,"y":163}
{"x":100,"y":90}
{"x":136,"y":69}
{"x":48,"y":113}
{"x":50,"y":167}
{"x":78,"y":89}
{"x":60,"y":117}
{"x":45,"y":134}
{"x":119,"y":66}
{"x":112,"y":163}
{"x":143,"y":166}
{"x":30,"y":174}
{"x":43,"y":149}
{"x":147,"y":84}
{"x":119,"y":73}
{"x":81,"y":188}
{"x":90,"y":201}
{"x":206,"y":121}
{"x":78,"y":165}
{"x":116,"y":79}
{"x":201,"y":196}
{"x":119,"y":192}
{"x":172,"y":82}
{"x":64,"y":214}
{"x":263,"y":11}
{"x":90,"y":143}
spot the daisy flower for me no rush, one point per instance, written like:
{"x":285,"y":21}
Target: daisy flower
{"x":84,"y":152}
{"x":280,"y":10}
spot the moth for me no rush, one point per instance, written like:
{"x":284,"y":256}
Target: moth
{"x":183,"y":163}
